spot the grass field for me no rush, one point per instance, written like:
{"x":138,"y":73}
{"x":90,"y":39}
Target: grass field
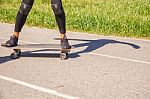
{"x":127,"y":18}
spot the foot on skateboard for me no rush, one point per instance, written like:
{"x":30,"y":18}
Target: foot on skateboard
{"x":13,"y":41}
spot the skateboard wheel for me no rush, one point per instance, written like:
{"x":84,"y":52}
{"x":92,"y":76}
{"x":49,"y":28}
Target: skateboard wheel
{"x":64,"y":56}
{"x":15,"y":55}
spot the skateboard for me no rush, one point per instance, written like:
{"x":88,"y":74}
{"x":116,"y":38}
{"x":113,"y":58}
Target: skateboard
{"x":52,"y":47}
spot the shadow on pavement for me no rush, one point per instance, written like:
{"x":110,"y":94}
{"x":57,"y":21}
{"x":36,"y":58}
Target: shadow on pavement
{"x":90,"y":44}
{"x":40,"y":55}
{"x":4,"y":59}
{"x":30,"y":54}
{"x":95,"y":44}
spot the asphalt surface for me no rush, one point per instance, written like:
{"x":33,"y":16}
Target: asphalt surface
{"x":99,"y":67}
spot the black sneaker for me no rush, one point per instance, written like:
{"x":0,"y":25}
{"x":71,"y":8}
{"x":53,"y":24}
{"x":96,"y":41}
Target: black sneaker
{"x":13,"y":41}
{"x":64,"y":43}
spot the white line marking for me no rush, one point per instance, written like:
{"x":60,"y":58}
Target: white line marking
{"x":120,"y":58}
{"x":127,"y":59}
{"x":113,"y":37}
{"x":125,"y":38}
{"x":20,"y":40}
{"x":42,"y":89}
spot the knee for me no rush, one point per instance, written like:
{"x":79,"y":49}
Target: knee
{"x":25,"y":8}
{"x":57,"y":8}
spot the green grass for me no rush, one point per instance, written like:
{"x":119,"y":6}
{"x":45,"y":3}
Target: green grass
{"x":127,"y":18}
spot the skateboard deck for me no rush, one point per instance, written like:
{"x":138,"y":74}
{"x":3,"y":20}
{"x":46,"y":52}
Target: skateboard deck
{"x":41,"y":46}
{"x":51,"y":47}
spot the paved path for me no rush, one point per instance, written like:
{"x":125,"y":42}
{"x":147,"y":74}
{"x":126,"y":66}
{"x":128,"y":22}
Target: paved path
{"x":99,"y":67}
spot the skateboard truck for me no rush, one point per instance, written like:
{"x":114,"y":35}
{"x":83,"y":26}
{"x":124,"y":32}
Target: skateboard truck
{"x":15,"y":54}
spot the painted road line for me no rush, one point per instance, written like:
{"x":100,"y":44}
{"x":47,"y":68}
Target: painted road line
{"x":42,"y":89}
{"x":127,"y":59}
{"x":20,"y":40}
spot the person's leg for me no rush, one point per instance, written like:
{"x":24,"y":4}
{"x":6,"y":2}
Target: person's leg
{"x":61,"y":21}
{"x":21,"y":17}
{"x":59,"y":15}
{"x":22,"y":14}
